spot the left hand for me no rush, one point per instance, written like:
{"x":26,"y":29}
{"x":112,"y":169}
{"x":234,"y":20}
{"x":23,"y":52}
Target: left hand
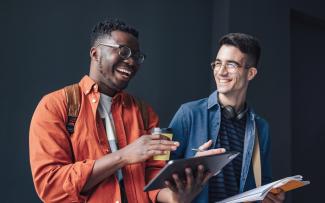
{"x":279,"y":197}
{"x":205,"y":152}
{"x":185,"y":191}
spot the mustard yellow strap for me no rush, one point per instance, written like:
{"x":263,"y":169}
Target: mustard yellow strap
{"x":72,"y":94}
{"x":257,"y":161}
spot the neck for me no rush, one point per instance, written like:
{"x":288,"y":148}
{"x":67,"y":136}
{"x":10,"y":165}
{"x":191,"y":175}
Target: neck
{"x":102,"y":87}
{"x":106,"y":90}
{"x":236,"y":101}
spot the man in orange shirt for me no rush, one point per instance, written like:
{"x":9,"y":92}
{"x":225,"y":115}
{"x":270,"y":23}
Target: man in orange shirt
{"x":108,"y":157}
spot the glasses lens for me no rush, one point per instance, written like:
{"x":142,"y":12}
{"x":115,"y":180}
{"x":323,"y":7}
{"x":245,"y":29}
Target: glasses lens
{"x":231,"y":65}
{"x":212,"y":65}
{"x":125,"y":52}
{"x":139,"y":57}
{"x":216,"y":65}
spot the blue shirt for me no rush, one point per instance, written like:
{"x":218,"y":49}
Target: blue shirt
{"x":198,"y":121}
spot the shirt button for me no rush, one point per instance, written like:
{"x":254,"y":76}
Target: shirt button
{"x":96,"y":88}
{"x":93,"y":100}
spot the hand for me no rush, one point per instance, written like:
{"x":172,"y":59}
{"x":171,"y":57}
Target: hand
{"x":147,"y":146}
{"x":204,"y":152}
{"x":185,"y":190}
{"x":278,"y":197}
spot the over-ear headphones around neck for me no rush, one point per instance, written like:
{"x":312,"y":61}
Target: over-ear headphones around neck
{"x":230,"y":113}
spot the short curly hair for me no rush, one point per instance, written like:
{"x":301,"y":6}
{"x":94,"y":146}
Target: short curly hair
{"x":104,"y":28}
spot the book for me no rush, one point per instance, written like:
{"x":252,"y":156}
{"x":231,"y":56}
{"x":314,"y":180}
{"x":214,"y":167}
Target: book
{"x":259,"y":193}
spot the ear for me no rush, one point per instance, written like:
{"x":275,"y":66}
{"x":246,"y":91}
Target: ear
{"x":252,"y":71}
{"x":94,"y":53}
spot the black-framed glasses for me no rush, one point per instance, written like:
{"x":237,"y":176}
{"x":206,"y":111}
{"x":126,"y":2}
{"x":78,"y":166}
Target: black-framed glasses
{"x":125,"y":52}
{"x":231,"y":66}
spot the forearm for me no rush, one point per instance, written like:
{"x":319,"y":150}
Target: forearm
{"x":105,"y":167}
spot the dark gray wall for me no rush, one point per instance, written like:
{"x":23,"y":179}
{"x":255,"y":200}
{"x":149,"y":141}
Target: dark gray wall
{"x":288,"y":83}
{"x":45,"y":45}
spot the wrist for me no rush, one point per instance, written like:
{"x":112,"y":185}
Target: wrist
{"x":122,"y":156}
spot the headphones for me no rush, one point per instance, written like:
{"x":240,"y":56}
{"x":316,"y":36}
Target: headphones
{"x":230,"y":113}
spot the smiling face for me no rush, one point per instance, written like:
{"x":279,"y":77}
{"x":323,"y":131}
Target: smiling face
{"x":233,"y":83}
{"x":108,"y":69}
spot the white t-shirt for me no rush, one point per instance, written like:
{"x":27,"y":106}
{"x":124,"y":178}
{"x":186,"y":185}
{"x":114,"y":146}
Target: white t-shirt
{"x":104,"y":108}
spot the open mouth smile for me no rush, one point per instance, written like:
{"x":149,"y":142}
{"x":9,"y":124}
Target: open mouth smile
{"x":224,"y":81}
{"x":124,"y":72}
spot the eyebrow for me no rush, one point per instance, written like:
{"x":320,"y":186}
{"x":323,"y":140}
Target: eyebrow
{"x":229,"y":61}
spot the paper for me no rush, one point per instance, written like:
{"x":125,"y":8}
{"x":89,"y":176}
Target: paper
{"x":259,"y":193}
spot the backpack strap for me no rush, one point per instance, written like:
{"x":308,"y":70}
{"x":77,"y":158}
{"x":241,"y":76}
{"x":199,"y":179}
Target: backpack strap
{"x":257,"y":161}
{"x":72,"y":94}
{"x":144,"y":112}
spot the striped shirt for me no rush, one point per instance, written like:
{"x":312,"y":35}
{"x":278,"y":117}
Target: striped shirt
{"x":231,"y":137}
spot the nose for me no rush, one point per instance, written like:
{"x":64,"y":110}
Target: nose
{"x":223,"y":70}
{"x":130,"y":61}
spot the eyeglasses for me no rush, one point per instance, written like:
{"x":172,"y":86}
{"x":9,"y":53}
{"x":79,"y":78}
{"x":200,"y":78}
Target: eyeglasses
{"x":125,"y":52}
{"x":231,"y":67}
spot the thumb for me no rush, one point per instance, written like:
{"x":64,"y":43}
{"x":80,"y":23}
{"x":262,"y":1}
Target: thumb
{"x":206,"y":145}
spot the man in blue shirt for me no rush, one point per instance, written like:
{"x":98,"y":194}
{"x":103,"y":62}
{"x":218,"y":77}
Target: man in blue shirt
{"x":224,"y":120}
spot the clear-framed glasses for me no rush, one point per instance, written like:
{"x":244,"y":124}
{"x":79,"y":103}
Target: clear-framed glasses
{"x":231,"y":66}
{"x":125,"y":52}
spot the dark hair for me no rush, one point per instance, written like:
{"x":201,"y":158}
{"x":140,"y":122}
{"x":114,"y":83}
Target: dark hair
{"x":247,"y":44}
{"x":104,"y":28}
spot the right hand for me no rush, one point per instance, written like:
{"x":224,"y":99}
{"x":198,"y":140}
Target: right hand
{"x":205,"y":152}
{"x":185,"y":190}
{"x":147,"y":146}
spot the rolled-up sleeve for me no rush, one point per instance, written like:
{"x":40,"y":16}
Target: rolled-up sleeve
{"x":57,"y":178}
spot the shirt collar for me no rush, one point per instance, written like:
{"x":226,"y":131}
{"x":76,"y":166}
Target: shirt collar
{"x":213,"y":100}
{"x":88,"y":85}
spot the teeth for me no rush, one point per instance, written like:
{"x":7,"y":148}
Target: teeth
{"x":223,"y":81}
{"x":124,"y":71}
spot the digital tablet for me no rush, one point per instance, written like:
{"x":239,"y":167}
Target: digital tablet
{"x":213,"y":163}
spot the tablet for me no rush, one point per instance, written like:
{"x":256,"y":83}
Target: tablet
{"x":213,"y":163}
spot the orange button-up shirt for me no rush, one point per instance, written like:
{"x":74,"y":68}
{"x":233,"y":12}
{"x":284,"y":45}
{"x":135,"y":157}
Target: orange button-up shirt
{"x":61,"y":163}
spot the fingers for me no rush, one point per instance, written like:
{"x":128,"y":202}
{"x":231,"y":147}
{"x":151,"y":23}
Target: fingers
{"x":171,"y":186}
{"x":267,"y":200}
{"x":179,"y":184}
{"x":278,"y":198}
{"x":164,"y":142}
{"x":200,"y":174}
{"x":211,"y":152}
{"x":206,"y":178}
{"x":189,"y":177}
{"x":161,"y":146}
{"x":190,"y":184}
{"x":281,"y":196}
{"x":160,"y":139}
{"x":155,"y":146}
{"x":206,"y":145}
